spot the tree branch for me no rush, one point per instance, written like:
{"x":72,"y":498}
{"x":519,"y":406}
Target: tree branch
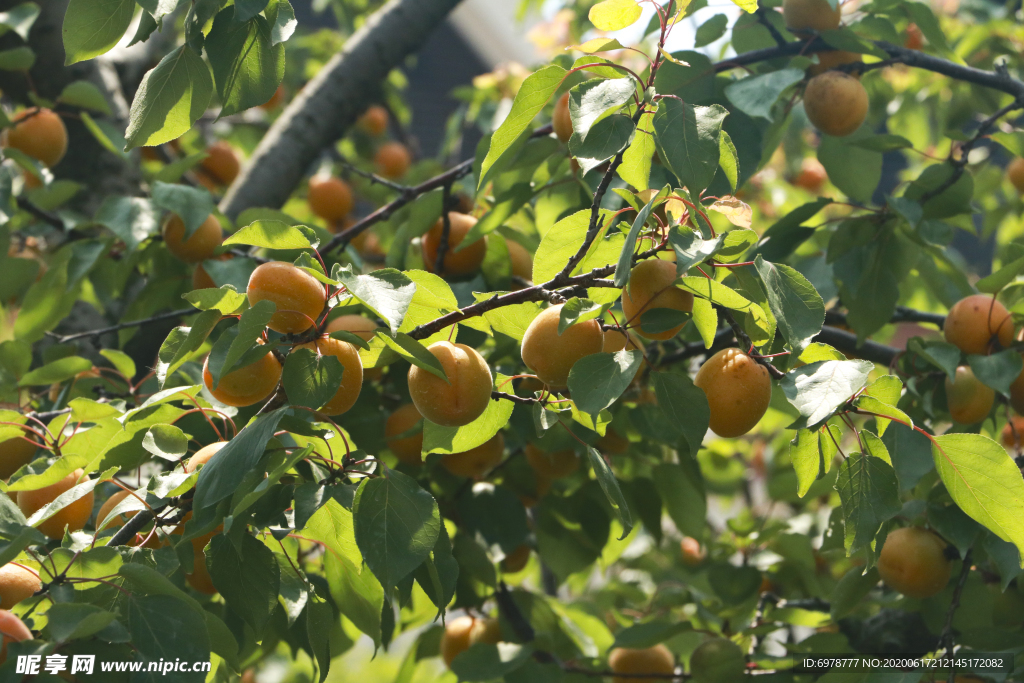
{"x":847,"y":343}
{"x":123,"y":326}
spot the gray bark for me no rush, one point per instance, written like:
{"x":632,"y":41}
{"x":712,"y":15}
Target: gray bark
{"x":332,"y":101}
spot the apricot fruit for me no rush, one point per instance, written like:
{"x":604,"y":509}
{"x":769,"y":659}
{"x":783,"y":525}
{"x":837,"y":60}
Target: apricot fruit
{"x":553,"y":465}
{"x":329,"y":198}
{"x":832,"y":59}
{"x":463,"y":397}
{"x":200,"y":578}
{"x":516,"y":560}
{"x":812,"y":175}
{"x":464,"y":631}
{"x":968,"y":400}
{"x":39,"y":133}
{"x":651,"y":285}
{"x":913,"y":562}
{"x":362,"y":327}
{"x":461,"y":262}
{"x":476,"y":462}
{"x":974,"y":321}
{"x":73,"y":516}
{"x":247,"y":385}
{"x":17,"y":583}
{"x":551,"y":355}
{"x":299,"y":296}
{"x":738,"y":389}
{"x":648,"y":660}
{"x":201,"y":279}
{"x":561,"y":120}
{"x":522,"y":260}
{"x":1015,"y":172}
{"x":804,"y":17}
{"x":13,"y":630}
{"x":374,"y":120}
{"x":221,"y":163}
{"x":14,"y":453}
{"x":836,"y":103}
{"x":203,"y":456}
{"x":406,"y":449}
{"x":201,"y":243}
{"x":914,"y":39}
{"x":1013,"y":433}
{"x":693,"y":552}
{"x":718,"y":660}
{"x":351,"y":377}
{"x":392,"y":160}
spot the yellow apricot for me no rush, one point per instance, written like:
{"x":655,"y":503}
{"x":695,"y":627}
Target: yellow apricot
{"x":968,"y":400}
{"x":17,"y":583}
{"x":522,"y":260}
{"x":1015,"y":172}
{"x":516,"y":560}
{"x":363,"y":328}
{"x":561,"y":120}
{"x":221,"y":163}
{"x":299,"y":296}
{"x":551,"y":355}
{"x":392,"y":160}
{"x":738,"y":389}
{"x":463,"y":397}
{"x":464,"y":631}
{"x":13,"y":630}
{"x":552,"y":465}
{"x":199,"y":246}
{"x":73,"y":516}
{"x":462,"y":262}
{"x":351,"y":377}
{"x":650,"y":660}
{"x":913,"y":562}
{"x":1013,"y":432}
{"x":39,"y":133}
{"x":247,"y":385}
{"x":374,"y":120}
{"x":329,"y":198}
{"x":836,"y":103}
{"x":14,"y":453}
{"x":406,"y":449}
{"x":974,"y":321}
{"x":203,"y":456}
{"x":693,"y":552}
{"x":812,"y":175}
{"x":476,"y":462}
{"x":805,"y":16}
{"x":651,"y":285}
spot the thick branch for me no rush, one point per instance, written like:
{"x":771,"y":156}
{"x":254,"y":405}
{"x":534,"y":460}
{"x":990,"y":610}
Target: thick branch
{"x":332,"y":101}
{"x":847,"y":343}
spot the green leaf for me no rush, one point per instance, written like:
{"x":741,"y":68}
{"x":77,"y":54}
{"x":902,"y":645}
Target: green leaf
{"x":17,"y":59}
{"x":610,"y":486}
{"x":247,"y":9}
{"x":604,"y":140}
{"x":133,"y":219}
{"x":613,"y":15}
{"x":881,"y":411}
{"x":192,"y":204}
{"x":121,"y":361}
{"x":171,"y":98}
{"x":72,"y":621}
{"x":649,"y":633}
{"x":495,"y":514}
{"x":221,"y":476}
{"x":182,"y":342}
{"x":922,"y":15}
{"x":807,"y":460}
{"x":387,"y":292}
{"x":108,"y":135}
{"x":869,"y":493}
{"x":756,"y":95}
{"x":711,"y":30}
{"x":597,"y":380}
{"x":687,"y":139}
{"x":955,"y":199}
{"x":625,"y":263}
{"x":282,"y":20}
{"x":786,"y":234}
{"x":635,"y":168}
{"x":396,"y":525}
{"x":682,"y":488}
{"x":86,"y":95}
{"x":165,"y":629}
{"x":439,"y":574}
{"x":57,"y":371}
{"x":983,"y":480}
{"x":271,"y":234}
{"x":684,"y":404}
{"x":589,"y":101}
{"x":795,"y":303}
{"x":166,"y":441}
{"x":224,"y":300}
{"x":319,"y":622}
{"x":998,"y":370}
{"x":92,"y":27}
{"x":883,"y":143}
{"x":942,"y":355}
{"x":691,"y":248}
{"x":577,"y":310}
{"x":62,"y":501}
{"x":486,"y":662}
{"x":561,"y":242}
{"x":851,"y":590}
{"x":819,"y":389}
{"x":248,"y":578}
{"x":19,"y":19}
{"x":729,"y":159}
{"x":438,"y":439}
{"x":247,"y":66}
{"x":239,"y":346}
{"x":414,"y":352}
{"x":531,"y":98}
{"x":311,"y":379}
{"x":854,"y":170}
{"x":911,"y":454}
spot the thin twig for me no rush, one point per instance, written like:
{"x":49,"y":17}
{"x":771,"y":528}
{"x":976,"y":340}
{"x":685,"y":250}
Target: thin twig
{"x":446,"y":229}
{"x":122,"y":326}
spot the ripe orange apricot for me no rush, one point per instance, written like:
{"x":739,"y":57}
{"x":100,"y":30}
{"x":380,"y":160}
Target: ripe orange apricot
{"x":461,"y":262}
{"x":73,"y":516}
{"x":915,"y":39}
{"x":836,"y":103}
{"x":718,"y":660}
{"x":245,"y":386}
{"x":351,"y":377}
{"x":832,"y":59}
{"x":693,"y":552}
{"x":913,"y":562}
{"x":1013,"y":433}
{"x":552,"y":465}
{"x":39,"y":133}
{"x":464,"y":631}
{"x":203,"y":456}
{"x":13,"y":630}
{"x":476,"y":462}
{"x":522,"y":260}
{"x":738,"y":389}
{"x":516,"y":560}
{"x":461,"y":399}
{"x":14,"y":453}
{"x":561,"y":120}
{"x":201,"y":279}
{"x":329,"y":198}
{"x":406,"y":449}
{"x":974,"y":321}
{"x":1015,"y":172}
{"x":199,"y":246}
{"x":812,"y":175}
{"x":358,"y":325}
{"x":276,"y":100}
{"x":651,"y":286}
{"x":200,"y":578}
{"x":392,"y":160}
{"x":17,"y":583}
{"x":374,"y":120}
{"x":968,"y":400}
{"x":650,"y":660}
{"x":551,"y":355}
{"x":803,"y":17}
{"x":221,"y":163}
{"x":299,"y":296}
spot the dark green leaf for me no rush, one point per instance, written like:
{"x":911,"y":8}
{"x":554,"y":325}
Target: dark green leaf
{"x":486,"y":662}
{"x":687,"y":139}
{"x":685,"y":405}
{"x":311,"y":379}
{"x":165,"y":629}
{"x":795,"y":303}
{"x":605,"y":140}
{"x":597,"y":380}
{"x":756,"y":95}
{"x":682,"y":488}
{"x":610,"y":486}
{"x":998,"y":370}
{"x":247,"y":66}
{"x":248,"y":577}
{"x":711,"y":30}
{"x":625,"y":262}
{"x":870,"y":495}
{"x":170,"y":99}
{"x":221,"y":476}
